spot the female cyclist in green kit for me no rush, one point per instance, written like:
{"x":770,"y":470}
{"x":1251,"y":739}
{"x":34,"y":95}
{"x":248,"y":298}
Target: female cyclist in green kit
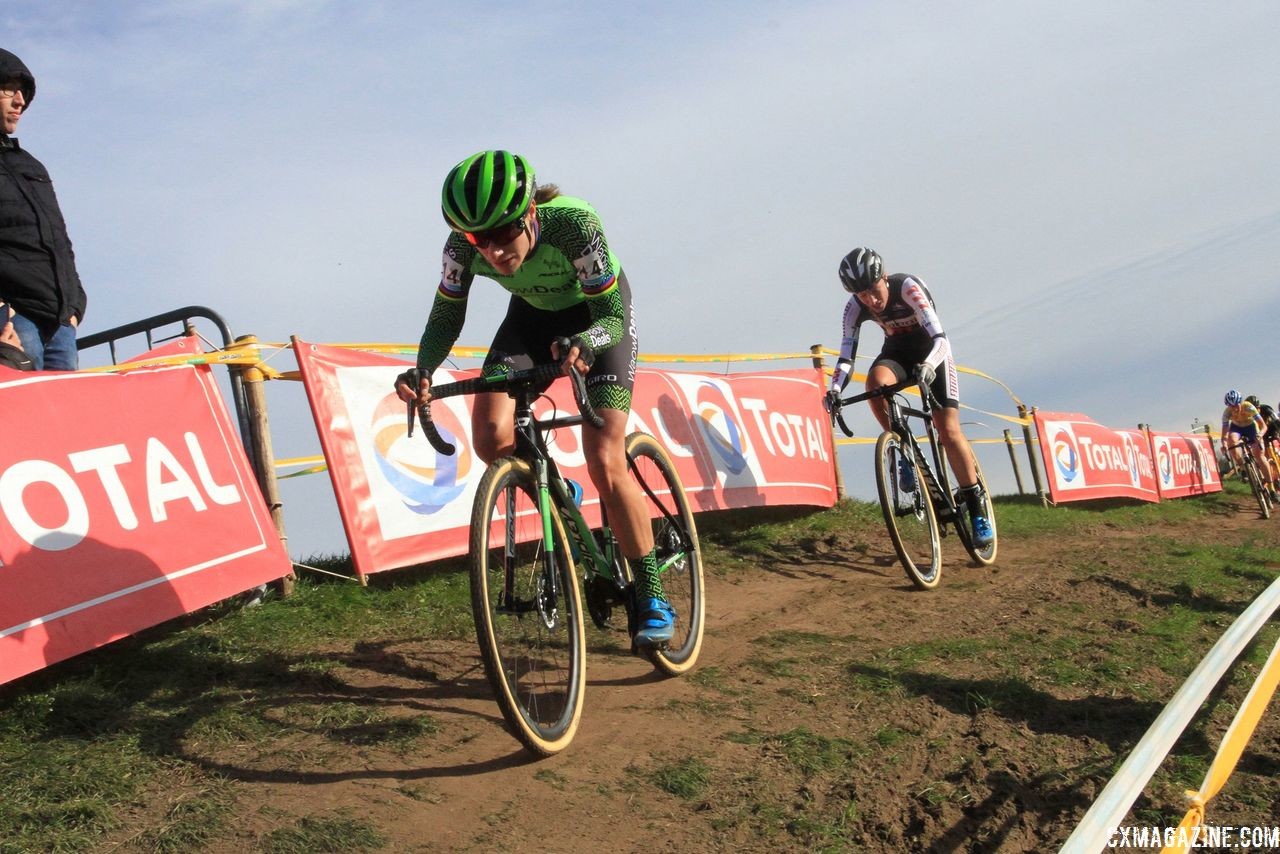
{"x":550,"y":252}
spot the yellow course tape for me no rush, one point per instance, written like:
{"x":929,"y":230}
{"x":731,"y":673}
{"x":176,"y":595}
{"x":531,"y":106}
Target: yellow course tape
{"x":1233,"y":745}
{"x":249,"y":353}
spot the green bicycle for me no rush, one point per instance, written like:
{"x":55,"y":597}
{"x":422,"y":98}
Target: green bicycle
{"x":528,"y":541}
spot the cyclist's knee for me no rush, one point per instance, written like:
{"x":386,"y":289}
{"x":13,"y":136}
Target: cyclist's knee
{"x":491,"y":442}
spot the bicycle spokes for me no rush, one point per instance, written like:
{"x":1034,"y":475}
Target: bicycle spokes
{"x":906,"y":502}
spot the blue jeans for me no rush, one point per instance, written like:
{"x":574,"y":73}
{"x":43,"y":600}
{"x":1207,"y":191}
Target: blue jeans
{"x":55,"y":353}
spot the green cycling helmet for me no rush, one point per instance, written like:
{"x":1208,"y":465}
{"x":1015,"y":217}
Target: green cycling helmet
{"x":487,"y":190}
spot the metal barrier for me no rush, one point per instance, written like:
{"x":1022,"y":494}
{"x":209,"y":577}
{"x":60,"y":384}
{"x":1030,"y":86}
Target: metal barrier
{"x":148,"y":325}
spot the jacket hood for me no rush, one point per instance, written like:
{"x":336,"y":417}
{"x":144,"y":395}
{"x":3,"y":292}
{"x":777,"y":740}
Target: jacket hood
{"x":11,"y":67}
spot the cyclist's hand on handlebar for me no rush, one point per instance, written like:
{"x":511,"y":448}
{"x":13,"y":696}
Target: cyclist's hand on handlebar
{"x":413,"y":386}
{"x":924,"y":374}
{"x":575,"y":352}
{"x":831,"y":401}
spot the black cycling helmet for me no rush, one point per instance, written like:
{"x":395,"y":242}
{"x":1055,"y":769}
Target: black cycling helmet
{"x":860,"y":269}
{"x":1253,"y":398}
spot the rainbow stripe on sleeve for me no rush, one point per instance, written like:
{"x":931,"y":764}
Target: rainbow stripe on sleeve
{"x":600,"y":286}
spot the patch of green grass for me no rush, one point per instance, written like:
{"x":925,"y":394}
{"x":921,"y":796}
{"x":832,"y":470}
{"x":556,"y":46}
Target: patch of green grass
{"x":779,"y":668}
{"x":786,"y":533}
{"x":1023,"y":516}
{"x":332,"y":833}
{"x":938,"y":649}
{"x":790,"y":638}
{"x":63,"y":795}
{"x":810,"y":752}
{"x":358,"y":723}
{"x":714,"y":678}
{"x":888,"y":736}
{"x":425,"y":603}
{"x":192,"y":821}
{"x":687,"y":778}
{"x":878,"y":683}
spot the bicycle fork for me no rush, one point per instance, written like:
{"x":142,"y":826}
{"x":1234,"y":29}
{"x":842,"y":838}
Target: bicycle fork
{"x":545,"y":595}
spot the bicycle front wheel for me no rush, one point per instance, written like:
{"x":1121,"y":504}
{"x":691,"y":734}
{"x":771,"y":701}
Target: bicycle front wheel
{"x":528,"y":610}
{"x":679,"y":557}
{"x":908,"y":513}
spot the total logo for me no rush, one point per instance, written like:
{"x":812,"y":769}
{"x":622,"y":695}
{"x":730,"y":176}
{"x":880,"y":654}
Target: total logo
{"x":425,"y":481}
{"x":1134,"y":457}
{"x":1065,"y":456}
{"x":1164,"y":462}
{"x":723,"y":433}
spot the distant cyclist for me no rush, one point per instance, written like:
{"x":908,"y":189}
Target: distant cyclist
{"x":550,"y":252}
{"x":1271,"y":438}
{"x":915,"y":346}
{"x":1269,"y":418}
{"x":1242,"y":424}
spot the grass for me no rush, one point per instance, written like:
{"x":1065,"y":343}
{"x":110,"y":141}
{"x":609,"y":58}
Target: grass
{"x":108,"y":749}
{"x":82,"y":742}
{"x":687,"y":778}
{"x":327,"y":833}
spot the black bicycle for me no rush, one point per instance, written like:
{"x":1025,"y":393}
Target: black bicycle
{"x":918,"y":518}
{"x":1258,"y":482}
{"x":528,"y":537}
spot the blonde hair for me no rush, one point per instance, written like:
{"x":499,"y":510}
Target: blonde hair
{"x":545,"y":193}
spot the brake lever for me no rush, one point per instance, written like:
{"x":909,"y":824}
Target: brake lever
{"x":413,"y":379}
{"x":839,"y":414}
{"x":579,"y":383}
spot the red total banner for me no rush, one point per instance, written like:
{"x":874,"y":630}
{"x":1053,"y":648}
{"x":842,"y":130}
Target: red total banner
{"x":745,"y":440}
{"x":1086,"y":460}
{"x":1185,"y":464}
{"x":125,"y":500}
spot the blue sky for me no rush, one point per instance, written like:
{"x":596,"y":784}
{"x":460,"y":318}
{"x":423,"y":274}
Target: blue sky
{"x":1090,"y":190}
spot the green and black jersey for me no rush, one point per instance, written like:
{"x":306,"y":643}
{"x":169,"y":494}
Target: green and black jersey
{"x":570,"y":265}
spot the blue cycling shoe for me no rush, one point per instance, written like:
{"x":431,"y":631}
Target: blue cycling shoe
{"x":983,"y":536}
{"x":906,"y":475}
{"x":656,"y":623}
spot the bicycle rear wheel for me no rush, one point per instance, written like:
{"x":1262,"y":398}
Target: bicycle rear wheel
{"x":679,"y":558}
{"x":981,"y":556}
{"x":527,"y":608}
{"x":908,"y":515}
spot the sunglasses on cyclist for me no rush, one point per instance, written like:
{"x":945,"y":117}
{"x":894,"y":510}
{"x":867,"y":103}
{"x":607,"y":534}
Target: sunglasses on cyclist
{"x":500,"y":236}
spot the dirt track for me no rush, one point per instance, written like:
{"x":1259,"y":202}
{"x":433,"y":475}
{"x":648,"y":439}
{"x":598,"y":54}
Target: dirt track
{"x":804,"y":726}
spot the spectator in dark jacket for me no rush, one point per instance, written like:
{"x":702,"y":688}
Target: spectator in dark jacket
{"x":38,"y":276}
